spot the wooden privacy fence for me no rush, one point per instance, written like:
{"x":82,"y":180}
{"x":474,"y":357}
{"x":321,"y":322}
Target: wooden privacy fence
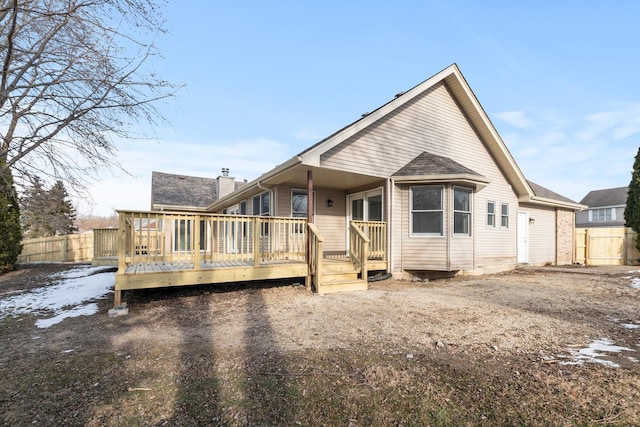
{"x":100,"y":243}
{"x":606,"y":246}
{"x":69,"y":248}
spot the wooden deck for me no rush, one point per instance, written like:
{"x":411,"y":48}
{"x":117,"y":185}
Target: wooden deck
{"x":162,"y":249}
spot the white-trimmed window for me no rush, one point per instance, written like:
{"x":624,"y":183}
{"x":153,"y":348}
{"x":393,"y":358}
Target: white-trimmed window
{"x":183,"y":235}
{"x":462,"y":210}
{"x":299,"y":203}
{"x":262,"y":204}
{"x":602,"y":214}
{"x":491,"y":214}
{"x":504,"y":215}
{"x":426,"y":210}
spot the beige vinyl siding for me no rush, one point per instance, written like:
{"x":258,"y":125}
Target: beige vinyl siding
{"x":542,"y":234}
{"x":331,"y":221}
{"x":417,"y":252}
{"x":433,"y":122}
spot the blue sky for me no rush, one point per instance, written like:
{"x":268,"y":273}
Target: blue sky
{"x":266,"y":79}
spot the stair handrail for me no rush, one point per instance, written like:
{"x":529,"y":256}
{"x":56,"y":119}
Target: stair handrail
{"x":358,"y":248}
{"x":316,"y":242}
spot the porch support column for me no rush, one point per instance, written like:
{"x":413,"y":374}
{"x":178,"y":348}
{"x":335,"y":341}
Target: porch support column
{"x":309,"y":196}
{"x":309,"y":221}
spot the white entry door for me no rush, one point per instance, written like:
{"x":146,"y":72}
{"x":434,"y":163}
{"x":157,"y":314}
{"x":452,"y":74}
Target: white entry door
{"x":523,"y":237}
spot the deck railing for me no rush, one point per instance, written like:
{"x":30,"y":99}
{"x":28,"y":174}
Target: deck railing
{"x":376,"y":231}
{"x":105,"y":242}
{"x":198,"y":240}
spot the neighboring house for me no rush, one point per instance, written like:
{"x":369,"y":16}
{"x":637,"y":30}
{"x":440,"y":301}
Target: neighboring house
{"x":606,"y":208}
{"x":431,"y":165}
{"x":189,"y":193}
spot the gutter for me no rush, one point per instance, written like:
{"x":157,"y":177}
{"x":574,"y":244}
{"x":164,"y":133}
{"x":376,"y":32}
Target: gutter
{"x":552,"y":202}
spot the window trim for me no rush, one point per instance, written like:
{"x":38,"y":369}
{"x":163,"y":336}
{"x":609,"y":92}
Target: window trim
{"x":260,"y":198}
{"x":491,"y":215}
{"x":503,"y":216}
{"x":305,"y":191}
{"x":441,"y":210}
{"x":469,"y":213}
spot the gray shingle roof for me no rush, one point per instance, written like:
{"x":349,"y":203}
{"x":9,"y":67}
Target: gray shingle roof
{"x":540,"y":191}
{"x":182,"y":190}
{"x":431,"y":164}
{"x":606,"y":197}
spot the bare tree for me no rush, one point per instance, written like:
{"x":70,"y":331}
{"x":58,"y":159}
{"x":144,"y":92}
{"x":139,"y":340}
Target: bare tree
{"x":73,"y":82}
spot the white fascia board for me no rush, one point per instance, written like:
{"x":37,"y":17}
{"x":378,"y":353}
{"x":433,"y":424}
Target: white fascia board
{"x":552,"y":202}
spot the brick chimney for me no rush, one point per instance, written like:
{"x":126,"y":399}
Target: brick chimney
{"x":226,"y":183}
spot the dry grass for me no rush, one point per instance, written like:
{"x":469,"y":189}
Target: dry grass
{"x":279,"y":356}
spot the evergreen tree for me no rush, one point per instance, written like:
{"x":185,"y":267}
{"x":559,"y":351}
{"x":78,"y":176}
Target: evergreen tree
{"x":632,"y":209}
{"x":47,"y":212}
{"x":10,"y":234}
{"x":63,"y":214}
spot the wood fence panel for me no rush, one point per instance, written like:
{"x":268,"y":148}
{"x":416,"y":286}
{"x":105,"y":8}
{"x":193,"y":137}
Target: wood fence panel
{"x":69,"y":248}
{"x":606,"y":246}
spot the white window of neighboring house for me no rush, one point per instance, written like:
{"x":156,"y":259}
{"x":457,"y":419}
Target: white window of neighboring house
{"x":491,"y":214}
{"x":602,"y":214}
{"x":462,"y":210}
{"x":262,"y":204}
{"x":504,"y":216}
{"x":426,"y":210}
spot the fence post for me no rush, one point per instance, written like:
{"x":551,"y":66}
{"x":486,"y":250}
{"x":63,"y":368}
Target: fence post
{"x":587,"y":236}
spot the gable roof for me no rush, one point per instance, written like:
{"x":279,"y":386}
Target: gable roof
{"x":471,"y":107}
{"x":606,"y":197}
{"x":182,"y":190}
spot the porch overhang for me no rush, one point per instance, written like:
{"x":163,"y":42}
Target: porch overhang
{"x":294,"y":174}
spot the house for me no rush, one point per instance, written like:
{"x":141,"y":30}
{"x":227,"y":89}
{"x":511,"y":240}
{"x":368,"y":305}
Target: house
{"x":606,"y":208}
{"x":430,"y":164}
{"x":421,"y":186}
{"x":189,"y":193}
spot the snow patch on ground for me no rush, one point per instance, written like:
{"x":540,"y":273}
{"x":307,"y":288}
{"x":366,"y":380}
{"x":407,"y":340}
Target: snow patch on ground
{"x":595,"y":352}
{"x":69,"y":297}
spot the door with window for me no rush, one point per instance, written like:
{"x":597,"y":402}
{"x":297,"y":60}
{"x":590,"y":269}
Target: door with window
{"x":365,"y":206}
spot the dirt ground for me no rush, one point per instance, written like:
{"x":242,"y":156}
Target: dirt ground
{"x":504,"y":349}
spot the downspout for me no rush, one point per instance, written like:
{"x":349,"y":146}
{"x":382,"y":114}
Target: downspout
{"x":449,"y":227}
{"x":389,"y":225}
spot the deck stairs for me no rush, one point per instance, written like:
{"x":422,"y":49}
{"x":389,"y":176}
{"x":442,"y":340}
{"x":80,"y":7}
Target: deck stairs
{"x":339,"y":275}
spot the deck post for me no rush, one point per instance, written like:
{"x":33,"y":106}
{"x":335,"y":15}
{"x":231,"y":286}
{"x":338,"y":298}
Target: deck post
{"x":196,"y":243}
{"x":122,"y":255}
{"x":256,"y":241}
